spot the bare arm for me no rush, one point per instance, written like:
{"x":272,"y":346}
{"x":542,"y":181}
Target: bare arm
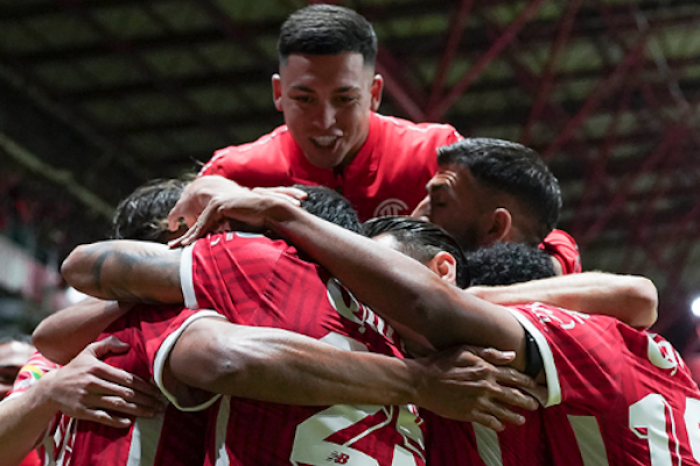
{"x":125,"y":271}
{"x":632,"y":299}
{"x":415,"y":300}
{"x":284,"y":367}
{"x":85,"y":389}
{"x":64,"y":334}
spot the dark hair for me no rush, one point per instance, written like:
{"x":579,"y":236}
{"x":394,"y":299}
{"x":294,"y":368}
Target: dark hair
{"x":508,"y":263}
{"x":143,"y":214}
{"x":419,"y":240}
{"x":512,"y":168}
{"x":327,"y":204}
{"x":327,"y":30}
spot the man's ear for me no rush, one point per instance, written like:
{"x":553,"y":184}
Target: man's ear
{"x":501,"y":228}
{"x":376,"y":91}
{"x":277,"y":91}
{"x":445,"y":265}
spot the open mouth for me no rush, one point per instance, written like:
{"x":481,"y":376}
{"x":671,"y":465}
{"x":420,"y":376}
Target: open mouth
{"x":325,"y":142}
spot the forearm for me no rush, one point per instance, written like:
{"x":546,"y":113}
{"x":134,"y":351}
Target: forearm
{"x":64,"y":334}
{"x":283,"y":367}
{"x":23,"y":421}
{"x":129,"y":271}
{"x":397,"y":287}
{"x":632,"y":299}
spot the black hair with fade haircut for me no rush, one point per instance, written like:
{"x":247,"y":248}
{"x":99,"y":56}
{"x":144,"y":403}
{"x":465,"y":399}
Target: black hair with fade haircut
{"x":327,"y":204}
{"x":143,"y":214}
{"x":327,"y":30}
{"x":419,"y":240}
{"x":512,"y":168}
{"x":508,"y":263}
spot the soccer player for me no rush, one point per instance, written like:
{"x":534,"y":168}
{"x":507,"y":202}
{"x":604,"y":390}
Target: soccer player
{"x":492,"y":190}
{"x":261,"y":282}
{"x":329,"y":93}
{"x":614,"y":395}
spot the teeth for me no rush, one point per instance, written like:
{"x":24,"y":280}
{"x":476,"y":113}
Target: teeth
{"x":325,"y":141}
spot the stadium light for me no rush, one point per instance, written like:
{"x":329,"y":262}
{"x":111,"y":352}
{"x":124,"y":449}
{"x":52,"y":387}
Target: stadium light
{"x":695,"y":307}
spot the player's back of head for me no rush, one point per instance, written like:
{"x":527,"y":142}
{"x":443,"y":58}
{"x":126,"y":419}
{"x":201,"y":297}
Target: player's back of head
{"x":506,"y":264}
{"x":327,"y":204}
{"x":143,"y":214}
{"x":419,"y":240}
{"x":327,"y":30}
{"x":511,"y":168}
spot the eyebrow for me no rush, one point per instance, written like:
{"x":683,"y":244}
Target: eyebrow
{"x":340,"y":90}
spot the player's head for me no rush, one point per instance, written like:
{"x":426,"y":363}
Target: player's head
{"x":491,"y":190}
{"x":425,"y":242}
{"x":507,"y":263}
{"x":15,"y":351}
{"x":330,"y":206}
{"x":326,"y":85}
{"x":143,"y":215}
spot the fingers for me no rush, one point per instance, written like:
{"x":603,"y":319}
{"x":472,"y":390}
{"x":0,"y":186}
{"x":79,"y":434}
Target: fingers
{"x":492,"y":355}
{"x":123,"y":383}
{"x":289,"y":193}
{"x":110,"y":344}
{"x":512,"y":377}
{"x":103,"y":417}
{"x":514,"y":397}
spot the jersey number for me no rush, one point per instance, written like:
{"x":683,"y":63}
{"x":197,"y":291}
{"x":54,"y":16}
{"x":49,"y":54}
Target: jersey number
{"x":648,"y":420}
{"x":312,"y":447}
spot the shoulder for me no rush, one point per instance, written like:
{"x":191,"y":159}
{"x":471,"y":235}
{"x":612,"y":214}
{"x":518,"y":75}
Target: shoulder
{"x":398,"y":127}
{"x":268,"y":151}
{"x":562,"y":246}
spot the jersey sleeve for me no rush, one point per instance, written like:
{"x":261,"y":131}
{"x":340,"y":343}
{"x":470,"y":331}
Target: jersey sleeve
{"x":37,"y":366}
{"x":229,"y":272}
{"x":577,"y":354}
{"x":560,"y":245}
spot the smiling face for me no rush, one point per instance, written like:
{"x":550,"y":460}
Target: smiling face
{"x":326,"y":101}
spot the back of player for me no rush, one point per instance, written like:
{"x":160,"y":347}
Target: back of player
{"x":616,"y":396}
{"x":256,"y":281}
{"x":170,"y":438}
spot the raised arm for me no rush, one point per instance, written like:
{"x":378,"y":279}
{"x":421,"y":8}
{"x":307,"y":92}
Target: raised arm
{"x":284,"y":367}
{"x":128,"y":271}
{"x":631,"y":299}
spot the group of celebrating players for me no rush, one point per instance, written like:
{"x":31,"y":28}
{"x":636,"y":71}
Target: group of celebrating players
{"x":285,"y":323}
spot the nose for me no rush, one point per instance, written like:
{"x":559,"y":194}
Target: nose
{"x":325,"y":116}
{"x":422,"y":210}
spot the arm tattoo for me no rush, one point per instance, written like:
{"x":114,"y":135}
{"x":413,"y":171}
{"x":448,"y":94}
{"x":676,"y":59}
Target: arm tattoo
{"x":135,"y":271}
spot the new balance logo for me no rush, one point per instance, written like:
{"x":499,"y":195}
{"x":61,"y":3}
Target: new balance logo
{"x":338,"y":458}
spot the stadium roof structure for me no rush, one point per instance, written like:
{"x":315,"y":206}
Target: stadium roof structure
{"x":100,"y":96}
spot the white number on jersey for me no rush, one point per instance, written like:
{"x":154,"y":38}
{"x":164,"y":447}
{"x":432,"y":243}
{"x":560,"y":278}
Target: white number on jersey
{"x":312,"y":448}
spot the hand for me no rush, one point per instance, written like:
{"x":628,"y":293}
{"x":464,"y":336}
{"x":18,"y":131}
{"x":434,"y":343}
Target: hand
{"x":243,"y":207}
{"x":461,"y":384}
{"x":196,"y":197}
{"x":87,"y":387}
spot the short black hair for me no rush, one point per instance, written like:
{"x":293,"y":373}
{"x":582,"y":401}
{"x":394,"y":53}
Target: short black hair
{"x":327,"y":30}
{"x":512,"y":168}
{"x":327,"y":204}
{"x":419,"y":240}
{"x":507,"y":263}
{"x":143,"y":214}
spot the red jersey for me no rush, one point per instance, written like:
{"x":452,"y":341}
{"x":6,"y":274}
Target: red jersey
{"x":173,"y":437}
{"x":560,"y":245}
{"x":257,"y":281}
{"x":616,"y":396}
{"x":386,"y":177}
